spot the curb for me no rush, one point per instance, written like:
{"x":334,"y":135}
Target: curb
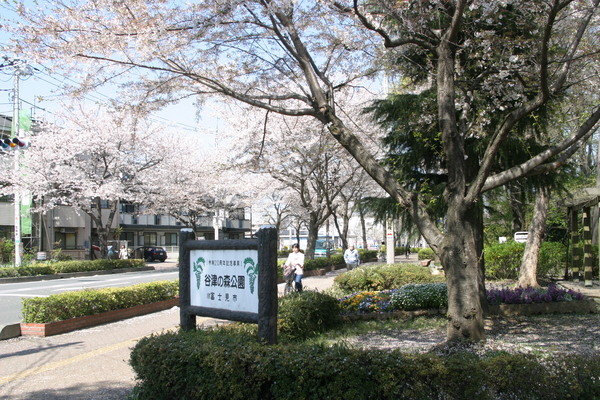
{"x":10,"y":331}
{"x":69,"y":325}
{"x":65,"y":275}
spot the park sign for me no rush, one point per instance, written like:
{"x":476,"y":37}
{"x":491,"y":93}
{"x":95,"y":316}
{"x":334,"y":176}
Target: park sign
{"x":234,"y":280}
{"x":225,"y":279}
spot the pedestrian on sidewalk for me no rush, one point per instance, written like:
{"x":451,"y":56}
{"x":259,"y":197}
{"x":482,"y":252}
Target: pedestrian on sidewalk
{"x":351,"y":257}
{"x":296,"y":260}
{"x":381,"y":255}
{"x":123,"y":254}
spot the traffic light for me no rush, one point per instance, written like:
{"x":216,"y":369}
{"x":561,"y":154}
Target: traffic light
{"x":14,"y":143}
{"x":21,"y":143}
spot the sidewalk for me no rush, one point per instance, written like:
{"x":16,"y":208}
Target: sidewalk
{"x":91,"y":363}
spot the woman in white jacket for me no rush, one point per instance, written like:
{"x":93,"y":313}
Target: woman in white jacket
{"x":296,"y":259}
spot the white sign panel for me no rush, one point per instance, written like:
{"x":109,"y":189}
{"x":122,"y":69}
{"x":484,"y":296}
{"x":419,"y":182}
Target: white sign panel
{"x":224,"y":279}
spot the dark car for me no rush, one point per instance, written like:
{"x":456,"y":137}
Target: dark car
{"x":150,"y":253}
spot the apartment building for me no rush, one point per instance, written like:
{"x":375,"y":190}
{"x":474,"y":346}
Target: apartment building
{"x":73,"y":231}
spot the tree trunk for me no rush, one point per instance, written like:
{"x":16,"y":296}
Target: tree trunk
{"x":514,"y":190}
{"x":528,"y":270}
{"x":363,"y":226}
{"x":459,"y":258}
{"x":343,"y":230}
{"x":313,"y":233}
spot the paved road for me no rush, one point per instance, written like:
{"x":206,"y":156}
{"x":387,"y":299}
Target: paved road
{"x":12,"y":293}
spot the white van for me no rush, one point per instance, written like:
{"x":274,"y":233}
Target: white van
{"x":521,"y":237}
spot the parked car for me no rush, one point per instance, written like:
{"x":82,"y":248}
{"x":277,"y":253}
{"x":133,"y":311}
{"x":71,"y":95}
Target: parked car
{"x":150,"y":253}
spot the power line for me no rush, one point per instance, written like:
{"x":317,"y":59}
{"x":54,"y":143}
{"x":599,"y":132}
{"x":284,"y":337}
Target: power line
{"x":94,"y":97}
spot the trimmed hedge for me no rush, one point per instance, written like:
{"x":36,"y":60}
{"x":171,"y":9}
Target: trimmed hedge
{"x":68,"y":305}
{"x":59,"y":267}
{"x":384,"y":277}
{"x":223,"y":364}
{"x":503,"y":260}
{"x":304,"y":314}
{"x":425,"y":253}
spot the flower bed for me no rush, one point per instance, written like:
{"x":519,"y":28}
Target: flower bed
{"x":434,"y":296}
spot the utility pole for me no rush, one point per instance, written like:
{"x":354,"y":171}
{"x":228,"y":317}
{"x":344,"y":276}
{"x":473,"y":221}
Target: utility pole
{"x":20,"y":68}
{"x":17,"y":198}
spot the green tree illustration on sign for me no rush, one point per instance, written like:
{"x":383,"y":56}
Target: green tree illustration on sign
{"x":198,"y":266}
{"x":251,"y":271}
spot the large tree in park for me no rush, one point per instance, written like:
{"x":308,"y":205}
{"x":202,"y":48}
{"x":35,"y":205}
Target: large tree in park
{"x":90,"y":160}
{"x":294,"y":58}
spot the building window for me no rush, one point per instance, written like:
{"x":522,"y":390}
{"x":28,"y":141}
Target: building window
{"x":66,"y":241}
{"x":150,"y":239}
{"x":7,"y":232}
{"x":127,"y":208}
{"x":170,"y":239}
{"x":127,"y":236}
{"x":157,"y":220}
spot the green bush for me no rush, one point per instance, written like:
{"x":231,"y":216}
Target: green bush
{"x":425,"y":253}
{"x":60,"y":267}
{"x":222,"y":364}
{"x":367,"y":255}
{"x":552,"y":259}
{"x":26,"y":270}
{"x":7,"y":251}
{"x":68,"y":305}
{"x":503,"y":260}
{"x":420,"y":296}
{"x":383,"y":277}
{"x":304,"y":314}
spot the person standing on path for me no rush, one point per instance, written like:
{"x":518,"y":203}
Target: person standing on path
{"x":351,"y":257}
{"x":296,"y":260}
{"x":123,"y":255}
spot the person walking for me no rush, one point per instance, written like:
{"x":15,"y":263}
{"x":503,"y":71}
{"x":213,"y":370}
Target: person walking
{"x":296,"y":260}
{"x":382,"y":252}
{"x":351,"y":257}
{"x":123,"y":255}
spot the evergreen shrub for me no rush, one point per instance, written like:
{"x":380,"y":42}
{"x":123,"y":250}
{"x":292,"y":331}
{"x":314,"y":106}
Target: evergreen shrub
{"x":420,"y":296}
{"x":221,"y":364}
{"x":60,"y":267}
{"x":323,"y":262}
{"x":383,"y":277}
{"x":425,"y":253}
{"x":367,"y":255}
{"x":7,"y":250}
{"x":503,"y":260}
{"x":63,"y":306}
{"x":304,"y":314}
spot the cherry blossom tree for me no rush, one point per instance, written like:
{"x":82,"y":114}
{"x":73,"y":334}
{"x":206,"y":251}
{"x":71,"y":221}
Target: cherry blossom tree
{"x":274,"y":205}
{"x":196,"y":187}
{"x":300,"y":155}
{"x":293,"y":58}
{"x":90,"y":160}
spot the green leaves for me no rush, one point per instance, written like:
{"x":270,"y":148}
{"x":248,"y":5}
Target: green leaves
{"x":68,"y":305}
